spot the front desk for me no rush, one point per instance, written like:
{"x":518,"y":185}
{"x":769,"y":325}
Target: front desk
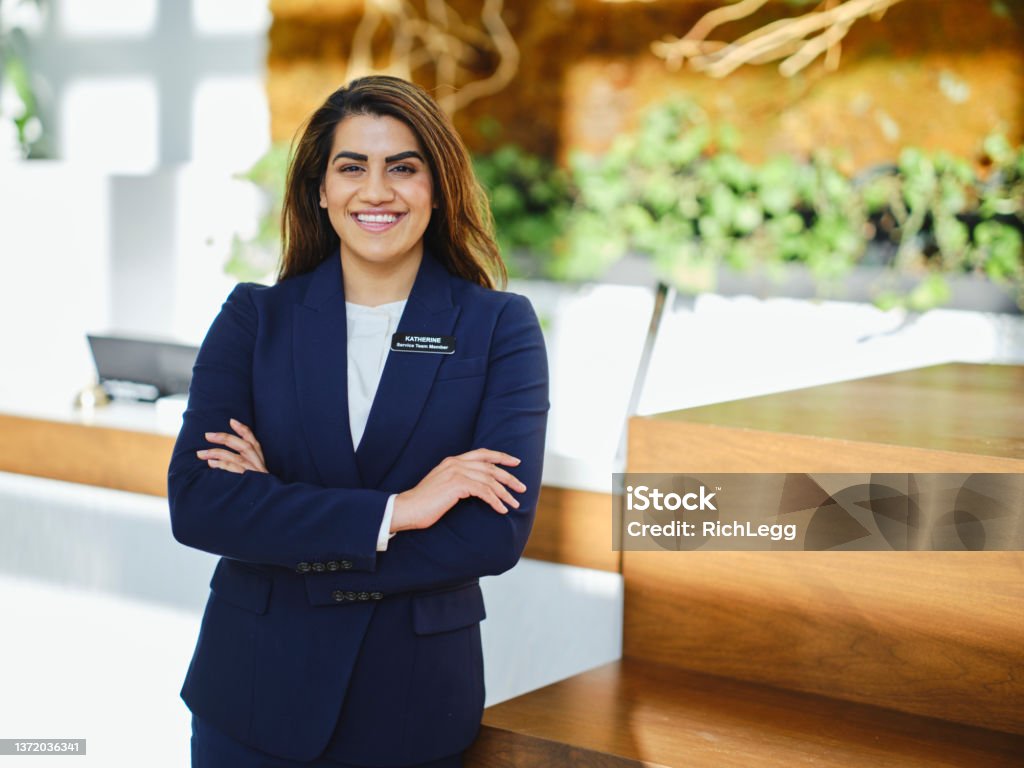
{"x":127,"y":447}
{"x":101,"y":535}
{"x":838,"y":658}
{"x":931,"y":633}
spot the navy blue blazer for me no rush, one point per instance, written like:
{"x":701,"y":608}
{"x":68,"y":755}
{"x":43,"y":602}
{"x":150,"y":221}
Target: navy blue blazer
{"x":312,"y":642}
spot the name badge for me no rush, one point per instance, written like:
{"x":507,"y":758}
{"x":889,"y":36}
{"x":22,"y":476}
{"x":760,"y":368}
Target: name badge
{"x":421,"y":342}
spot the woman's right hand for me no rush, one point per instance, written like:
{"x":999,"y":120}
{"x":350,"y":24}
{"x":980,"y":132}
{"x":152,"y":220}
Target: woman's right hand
{"x":475,"y":473}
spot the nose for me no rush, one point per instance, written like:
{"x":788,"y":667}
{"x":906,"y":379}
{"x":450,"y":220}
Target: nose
{"x":376,"y":187}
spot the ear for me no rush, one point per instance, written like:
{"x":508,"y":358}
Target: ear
{"x":323,"y":196}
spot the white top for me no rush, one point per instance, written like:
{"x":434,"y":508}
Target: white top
{"x":369,"y":339}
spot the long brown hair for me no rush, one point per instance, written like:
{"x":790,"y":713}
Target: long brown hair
{"x":461,"y":230}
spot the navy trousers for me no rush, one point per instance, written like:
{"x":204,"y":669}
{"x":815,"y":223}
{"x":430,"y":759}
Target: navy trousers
{"x":212,"y":748}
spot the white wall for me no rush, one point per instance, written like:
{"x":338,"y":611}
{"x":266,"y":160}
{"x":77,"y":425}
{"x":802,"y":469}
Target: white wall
{"x":135,"y":85}
{"x":711,"y":348}
{"x":55,"y":261}
{"x":156,"y":104}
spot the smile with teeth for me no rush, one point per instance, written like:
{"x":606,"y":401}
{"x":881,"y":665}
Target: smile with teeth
{"x":377,"y":218}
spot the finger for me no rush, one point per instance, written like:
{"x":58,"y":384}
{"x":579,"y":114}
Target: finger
{"x":231,"y":441}
{"x":233,"y":466}
{"x":227,"y":465}
{"x":485,"y":493}
{"x":495,"y":457}
{"x":247,"y":435}
{"x":237,"y":444}
{"x":486,"y":480}
{"x":228,"y":457}
{"x":243,"y":430}
{"x":507,"y":478}
{"x":505,"y":496}
{"x":221,"y":455}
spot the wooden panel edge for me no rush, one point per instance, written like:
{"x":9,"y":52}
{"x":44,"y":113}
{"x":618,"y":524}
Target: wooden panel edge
{"x":574,"y":527}
{"x":106,"y":457}
{"x":663,"y":446}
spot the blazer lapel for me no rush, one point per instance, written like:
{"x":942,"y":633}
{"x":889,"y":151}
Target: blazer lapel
{"x":320,"y":357}
{"x":408,"y":376}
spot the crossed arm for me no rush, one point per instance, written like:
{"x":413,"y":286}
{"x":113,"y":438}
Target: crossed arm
{"x":474,"y":473}
{"x":461,"y":521}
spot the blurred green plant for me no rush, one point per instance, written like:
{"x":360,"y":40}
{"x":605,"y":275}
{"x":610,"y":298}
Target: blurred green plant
{"x":20,"y":123}
{"x":941,"y":219}
{"x":678,"y":192}
{"x":530,"y":203}
{"x":256,"y":257}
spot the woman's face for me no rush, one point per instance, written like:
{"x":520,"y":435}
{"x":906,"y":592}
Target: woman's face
{"x":377,"y":190}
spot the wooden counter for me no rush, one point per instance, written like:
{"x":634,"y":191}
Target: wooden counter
{"x":571,"y":525}
{"x":874,"y":659}
{"x":945,"y":418}
{"x":108,"y":457}
{"x":939,"y":634}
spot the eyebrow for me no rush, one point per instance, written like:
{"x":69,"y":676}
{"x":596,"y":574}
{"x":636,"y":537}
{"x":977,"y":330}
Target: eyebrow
{"x":388,"y":159}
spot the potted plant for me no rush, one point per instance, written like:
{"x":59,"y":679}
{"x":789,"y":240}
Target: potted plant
{"x":20,"y":126}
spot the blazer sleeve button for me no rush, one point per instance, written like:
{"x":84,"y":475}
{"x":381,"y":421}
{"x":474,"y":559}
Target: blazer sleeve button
{"x":302,"y":567}
{"x":346,"y":565}
{"x":319,"y":567}
{"x":376,"y":595}
{"x":364,"y":596}
{"x":332,"y":565}
{"x":350,"y":596}
{"x":338,"y":595}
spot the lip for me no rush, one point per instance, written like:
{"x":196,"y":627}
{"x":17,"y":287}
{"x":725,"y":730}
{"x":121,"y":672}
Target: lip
{"x":378,"y":226}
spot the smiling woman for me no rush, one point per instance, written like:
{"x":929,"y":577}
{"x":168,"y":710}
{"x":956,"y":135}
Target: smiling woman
{"x":377,"y":422}
{"x":389,"y":117}
{"x":378,"y":193}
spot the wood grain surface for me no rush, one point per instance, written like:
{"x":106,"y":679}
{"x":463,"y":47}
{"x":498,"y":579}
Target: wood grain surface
{"x":633,"y":714}
{"x":956,"y":408}
{"x":657,"y":445}
{"x":574,"y":528}
{"x":934,"y":633}
{"x":77,"y":453}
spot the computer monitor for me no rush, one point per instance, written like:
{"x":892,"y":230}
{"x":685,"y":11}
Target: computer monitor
{"x":142,"y":369}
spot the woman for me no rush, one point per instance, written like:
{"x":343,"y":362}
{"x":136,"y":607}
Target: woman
{"x":363,"y":441}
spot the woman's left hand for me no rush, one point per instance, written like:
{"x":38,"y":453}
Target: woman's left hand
{"x":246,"y":453}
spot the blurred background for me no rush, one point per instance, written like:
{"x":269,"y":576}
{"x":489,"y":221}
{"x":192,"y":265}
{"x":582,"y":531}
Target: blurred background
{"x":705,"y":201}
